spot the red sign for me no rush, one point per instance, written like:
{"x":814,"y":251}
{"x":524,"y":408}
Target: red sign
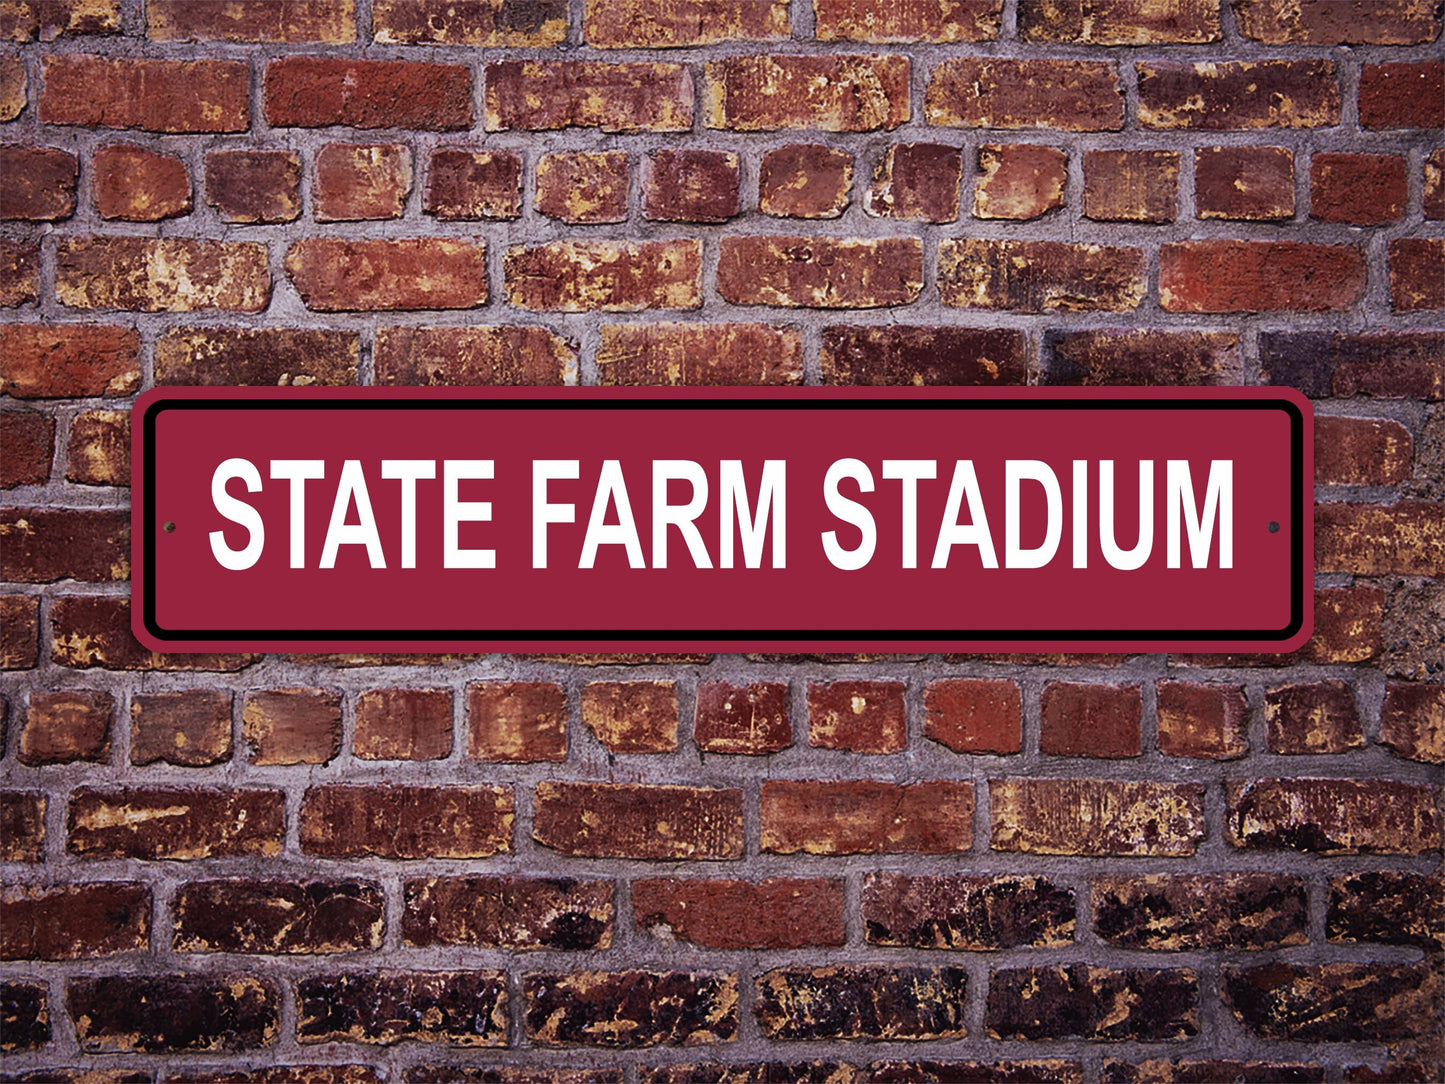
{"x":806,"y":519}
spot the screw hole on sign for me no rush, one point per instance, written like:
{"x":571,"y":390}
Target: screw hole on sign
{"x":1273,"y":527}
{"x":169,"y":526}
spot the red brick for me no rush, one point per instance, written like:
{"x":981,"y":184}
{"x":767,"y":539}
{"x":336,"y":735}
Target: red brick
{"x":1096,"y":817}
{"x":832,"y":93}
{"x":1407,"y":538}
{"x":487,"y":23}
{"x":175,"y":823}
{"x":677,"y":354}
{"x":508,"y":912}
{"x":1412,"y":721}
{"x":908,"y":354}
{"x":27,"y":439}
{"x":859,"y":716}
{"x":74,"y":922}
{"x":278,"y":917}
{"x":865,"y":1002}
{"x":1208,"y":722}
{"x":137,"y":185}
{"x":1333,"y":816}
{"x":154,"y":95}
{"x":13,"y":87}
{"x":357,"y":181}
{"x":630,"y":1009}
{"x":1249,"y":183}
{"x":1392,"y":365}
{"x":866,"y":817}
{"x":805,"y":180}
{"x":974,"y":715}
{"x":1347,"y":629}
{"x":517,"y":721}
{"x":1019,"y":180}
{"x":628,"y":820}
{"x":1039,"y":276}
{"x":166,"y":1013}
{"x":1403,"y":95}
{"x":1141,"y":356}
{"x":820,"y":272}
{"x":1312,"y":717}
{"x":1119,"y":22}
{"x":610,"y":276}
{"x":1215,"y":96}
{"x":632,"y":716}
{"x":19,"y":632}
{"x":1259,"y":276}
{"x":646,"y":24}
{"x":462,"y":356}
{"x":1088,"y":720}
{"x":467,"y":185}
{"x":1200,"y":911}
{"x":190,"y":729}
{"x":94,"y":630}
{"x":1417,"y":273}
{"x":1310,"y":22}
{"x":254,"y":185}
{"x":345,"y":821}
{"x":778,"y":913}
{"x":63,"y":727}
{"x":143,"y":274}
{"x":690,"y":186}
{"x":19,"y":272}
{"x":403,"y":724}
{"x":941,"y":22}
{"x":966,"y":913}
{"x":1358,"y":189}
{"x":319,"y":91}
{"x":52,"y":19}
{"x":43,"y":545}
{"x":539,"y":95}
{"x":747,"y":719}
{"x":1433,"y":199}
{"x":583,"y":188}
{"x":1131,"y":186}
{"x":917,"y":181}
{"x":332,"y":22}
{"x":1361,"y":451}
{"x":292,"y":726}
{"x":274,"y":356}
{"x":39,"y":183}
{"x":1001,"y":92}
{"x":22,"y":825}
{"x":338,"y":274}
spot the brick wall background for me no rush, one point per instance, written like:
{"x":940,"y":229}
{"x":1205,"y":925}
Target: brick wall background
{"x":741,"y":868}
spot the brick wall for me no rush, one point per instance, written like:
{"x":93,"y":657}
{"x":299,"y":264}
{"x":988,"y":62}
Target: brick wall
{"x":742,"y":868}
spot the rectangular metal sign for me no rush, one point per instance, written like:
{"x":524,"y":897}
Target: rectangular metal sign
{"x":723,"y":519}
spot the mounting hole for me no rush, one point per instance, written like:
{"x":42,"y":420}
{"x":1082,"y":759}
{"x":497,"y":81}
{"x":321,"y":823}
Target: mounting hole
{"x":169,"y":526}
{"x":1273,"y":527}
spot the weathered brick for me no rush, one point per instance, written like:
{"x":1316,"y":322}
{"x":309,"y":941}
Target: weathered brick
{"x":138,"y":185}
{"x":1412,"y":720}
{"x":1393,"y":1071}
{"x":1208,"y":1070}
{"x":1090,"y":720}
{"x":517,"y":721}
{"x":1417,"y":273}
{"x":644,"y":24}
{"x":39,"y":183}
{"x":404,"y":822}
{"x":805,"y":180}
{"x":832,"y":93}
{"x":1003,"y":92}
{"x":190,"y":729}
{"x":758,"y":1072}
{"x":1342,"y":1002}
{"x":175,"y":823}
{"x":1347,"y":629}
{"x":1218,"y":96}
{"x":19,"y":632}
{"x":269,"y":356}
{"x":22,"y":825}
{"x":1318,"y":717}
{"x":1408,"y":364}
{"x":610,"y":276}
{"x":319,"y":91}
{"x":1141,"y":356}
{"x":292,"y":726}
{"x":1333,"y":816}
{"x":875,"y":1003}
{"x":1204,"y":721}
{"x":1201,"y":911}
{"x":1014,"y":1071}
{"x":1361,"y":451}
{"x":169,"y":1013}
{"x":974,"y":715}
{"x":94,"y":630}
{"x":1039,"y":276}
{"x":1094,"y":1003}
{"x":1302,"y":22}
{"x":334,"y":274}
{"x":858,"y":716}
{"x":820,"y":272}
{"x":1249,"y":183}
{"x":628,"y":820}
{"x":905,"y":354}
{"x":74,"y":922}
{"x":1433,"y":197}
{"x":19,"y":272}
{"x":1259,"y":276}
{"x":942,"y":22}
{"x":1119,"y":22}
{"x":356,"y":181}
{"x":98,"y":451}
{"x":1131,"y":185}
{"x":254,"y":185}
{"x":1374,"y":539}
{"x":27,"y":439}
{"x":14,"y":86}
{"x":1019,"y":180}
{"x":973,"y":913}
{"x":43,"y":545}
{"x":1358,"y":189}
{"x":778,"y":913}
{"x":678,"y":354}
{"x":464,"y":184}
{"x":917,"y":181}
{"x":1403,"y":95}
{"x":488,"y":23}
{"x":751,"y":720}
{"x":62,"y":727}
{"x":508,"y":912}
{"x":60,"y":361}
{"x":1096,"y":817}
{"x":540,"y":95}
{"x":162,"y":275}
{"x":403,"y":724}
{"x":47,"y":20}
{"x":278,"y":917}
{"x":149,"y":94}
{"x":331,"y":23}
{"x":583,"y":188}
{"x":451,"y":356}
{"x":1390,"y":907}
{"x":694,"y":185}
{"x":275,"y":1074}
{"x":459,"y":1008}
{"x":510,"y":1074}
{"x":24,"y":1015}
{"x":630,"y":1009}
{"x":866,"y":817}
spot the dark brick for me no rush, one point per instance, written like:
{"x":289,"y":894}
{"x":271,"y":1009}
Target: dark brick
{"x":22,"y":825}
{"x":510,"y":23}
{"x":684,"y":354}
{"x":805,"y":180}
{"x":974,"y":715}
{"x":24,"y":1015}
{"x":278,"y":917}
{"x":508,"y":1074}
{"x":319,"y":91}
{"x":1096,"y":817}
{"x":975,"y":913}
{"x":1433,"y":199}
{"x":332,"y":23}
{"x":292,"y":726}
{"x":1403,"y":364}
{"x":1209,"y":1071}
{"x":542,"y":95}
{"x":1417,"y":273}
{"x":508,"y":912}
{"x":1314,"y":717}
{"x":1361,"y":451}
{"x":1333,"y":816}
{"x":190,"y":729}
{"x":72,"y":922}
{"x":43,"y":545}
{"x":1204,"y":911}
{"x":916,"y":181}
{"x":517,"y":722}
{"x":175,"y":823}
{"x":1141,"y":356}
{"x":460,"y":1008}
{"x":906,"y":354}
{"x":751,"y":720}
{"x":630,"y":1009}
{"x":39,"y":183}
{"x":94,"y":630}
{"x":98,"y":451}
{"x":1344,"y":1002}
{"x":1390,"y":907}
{"x":622,"y":820}
{"x":155,"y":95}
{"x":58,"y":19}
{"x":1131,"y":185}
{"x":1118,"y":22}
{"x":1092,"y":1003}
{"x":160,"y":1014}
{"x":254,"y":185}
{"x":1090,"y":720}
{"x":27,"y":439}
{"x":808,"y":1072}
{"x":778,"y":913}
{"x":1412,"y":721}
{"x":1407,"y":537}
{"x":278,"y":357}
{"x":830,"y":93}
{"x":1217,"y":96}
{"x":1002,"y":92}
{"x":862,"y":1002}
{"x":1250,"y":183}
{"x":1030,"y":1071}
{"x":1358,"y":189}
{"x":691,"y":186}
{"x":64,"y":727}
{"x":453,"y":356}
{"x":1403,"y":95}
{"x":469,"y":185}
{"x":1039,"y":276}
{"x":19,"y":632}
{"x":405,"y":822}
{"x":866,"y":817}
